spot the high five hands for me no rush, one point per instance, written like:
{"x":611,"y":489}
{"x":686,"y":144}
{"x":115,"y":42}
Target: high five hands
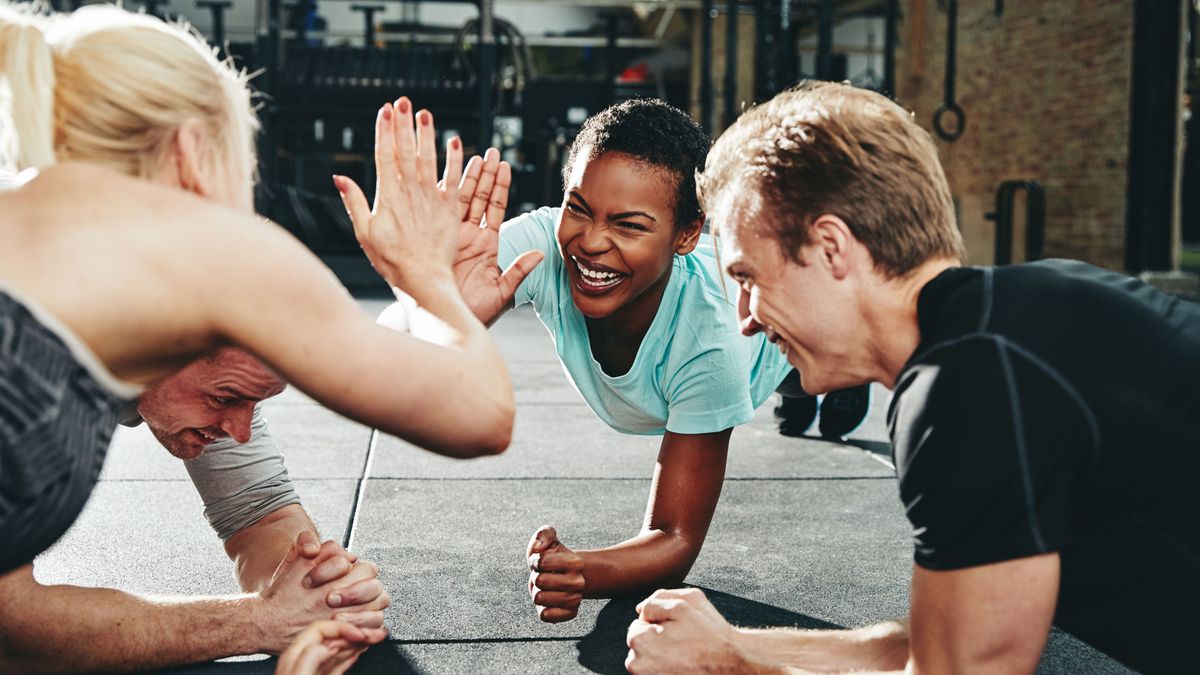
{"x":420,"y":227}
{"x":411,"y":232}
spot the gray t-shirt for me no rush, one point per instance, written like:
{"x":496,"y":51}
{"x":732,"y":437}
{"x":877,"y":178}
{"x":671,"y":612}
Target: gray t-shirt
{"x":238,"y":482}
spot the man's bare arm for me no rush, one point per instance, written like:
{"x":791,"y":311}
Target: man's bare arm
{"x":257,"y":549}
{"x":73,"y":629}
{"x":881,"y":647}
{"x":985,"y":619}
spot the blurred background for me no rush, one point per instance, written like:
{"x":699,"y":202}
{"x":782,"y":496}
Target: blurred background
{"x":1063,"y":125}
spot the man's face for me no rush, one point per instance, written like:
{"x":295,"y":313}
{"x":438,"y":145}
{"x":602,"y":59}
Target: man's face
{"x":210,"y":399}
{"x":802,"y":308}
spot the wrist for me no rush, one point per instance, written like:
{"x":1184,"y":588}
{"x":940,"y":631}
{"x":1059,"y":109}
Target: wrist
{"x":743,"y":638}
{"x":416,"y":276}
{"x":259,"y":625}
{"x":747,"y":662}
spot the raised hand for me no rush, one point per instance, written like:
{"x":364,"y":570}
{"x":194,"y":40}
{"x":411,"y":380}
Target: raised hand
{"x":556,"y":579}
{"x":483,"y":197}
{"x":327,"y":648}
{"x":411,"y":233}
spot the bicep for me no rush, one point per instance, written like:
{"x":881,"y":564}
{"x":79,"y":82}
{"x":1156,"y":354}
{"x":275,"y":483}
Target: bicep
{"x":987,"y":619}
{"x":687,"y":483}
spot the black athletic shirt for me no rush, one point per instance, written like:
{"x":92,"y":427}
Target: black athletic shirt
{"x":1055,"y":406}
{"x":57,"y":417}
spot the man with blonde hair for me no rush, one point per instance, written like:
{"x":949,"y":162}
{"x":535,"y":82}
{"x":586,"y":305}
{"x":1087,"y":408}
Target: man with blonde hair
{"x":1044,"y":420}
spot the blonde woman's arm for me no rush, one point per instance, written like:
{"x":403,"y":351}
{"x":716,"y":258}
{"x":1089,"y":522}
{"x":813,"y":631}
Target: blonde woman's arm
{"x":453,"y":398}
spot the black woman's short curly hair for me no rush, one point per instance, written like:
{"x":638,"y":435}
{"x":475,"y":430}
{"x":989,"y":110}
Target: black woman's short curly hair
{"x":654,"y":132}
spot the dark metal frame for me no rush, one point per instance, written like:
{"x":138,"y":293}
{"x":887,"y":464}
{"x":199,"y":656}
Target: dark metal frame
{"x":268,"y":51}
{"x":1153,"y":135}
{"x":1035,"y":219}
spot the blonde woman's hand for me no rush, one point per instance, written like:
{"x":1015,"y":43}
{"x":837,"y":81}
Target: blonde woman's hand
{"x":327,"y":648}
{"x":411,"y":233}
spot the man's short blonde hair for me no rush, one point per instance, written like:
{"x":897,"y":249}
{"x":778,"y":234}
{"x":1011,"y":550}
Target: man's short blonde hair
{"x":826,"y":148}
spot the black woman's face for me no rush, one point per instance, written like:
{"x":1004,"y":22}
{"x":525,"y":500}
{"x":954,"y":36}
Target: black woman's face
{"x":617,"y":233}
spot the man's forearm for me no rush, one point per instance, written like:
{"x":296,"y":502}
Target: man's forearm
{"x":257,"y":550}
{"x":879,"y":648}
{"x":71,"y":629}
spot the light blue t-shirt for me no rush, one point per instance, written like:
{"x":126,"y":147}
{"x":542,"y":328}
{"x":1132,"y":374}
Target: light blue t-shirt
{"x":694,"y":372}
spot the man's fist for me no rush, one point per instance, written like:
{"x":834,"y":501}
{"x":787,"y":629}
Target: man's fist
{"x":679,"y":631}
{"x":556,"y":579}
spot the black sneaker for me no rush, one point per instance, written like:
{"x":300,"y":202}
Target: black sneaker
{"x":844,"y":410}
{"x":795,"y":414}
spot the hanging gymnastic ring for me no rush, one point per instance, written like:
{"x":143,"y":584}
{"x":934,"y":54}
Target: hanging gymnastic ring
{"x":960,"y":120}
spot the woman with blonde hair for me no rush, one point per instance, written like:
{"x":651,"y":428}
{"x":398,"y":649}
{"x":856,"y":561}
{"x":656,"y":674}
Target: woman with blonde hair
{"x":113,"y":276}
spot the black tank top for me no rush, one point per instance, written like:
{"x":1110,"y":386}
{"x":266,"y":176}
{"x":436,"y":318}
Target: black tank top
{"x":57,"y":416}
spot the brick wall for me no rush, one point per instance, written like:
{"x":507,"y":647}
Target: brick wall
{"x":1046,"y":91}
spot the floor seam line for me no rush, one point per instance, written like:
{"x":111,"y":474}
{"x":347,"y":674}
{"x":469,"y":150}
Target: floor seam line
{"x":372,"y":442}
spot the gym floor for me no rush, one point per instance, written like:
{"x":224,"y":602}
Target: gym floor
{"x":808,"y":533}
